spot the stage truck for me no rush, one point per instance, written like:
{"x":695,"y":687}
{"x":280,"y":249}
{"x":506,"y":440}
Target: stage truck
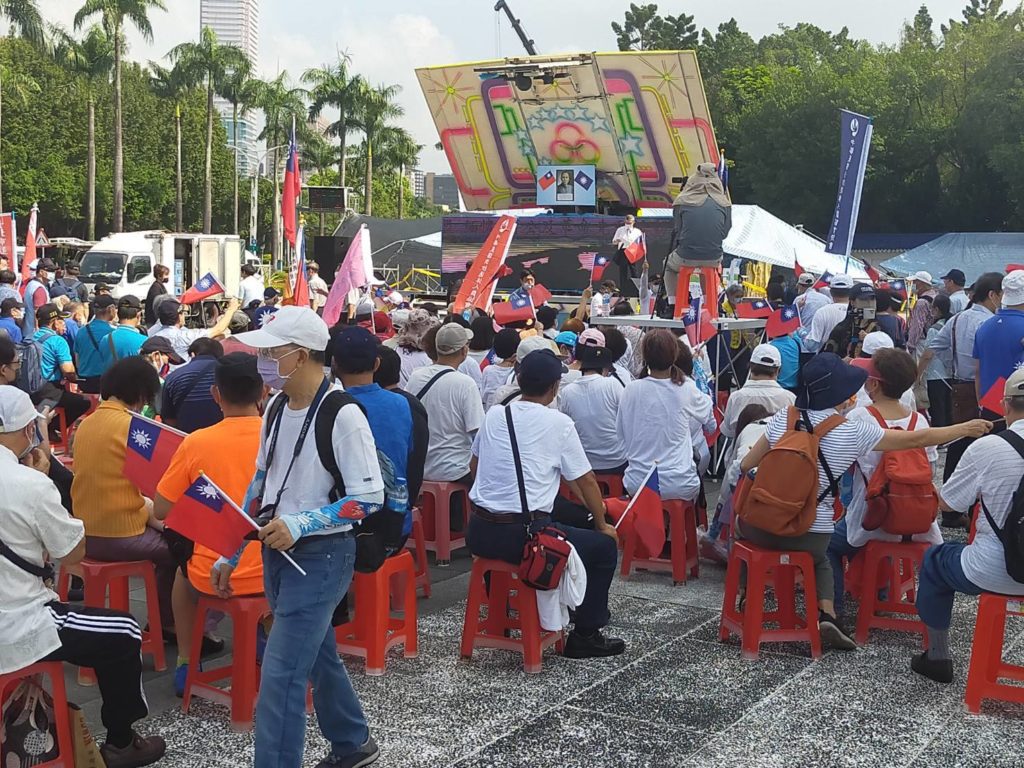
{"x":125,"y":261}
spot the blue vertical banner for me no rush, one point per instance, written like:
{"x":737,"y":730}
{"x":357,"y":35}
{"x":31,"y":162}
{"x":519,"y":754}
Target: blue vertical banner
{"x":853,"y":162}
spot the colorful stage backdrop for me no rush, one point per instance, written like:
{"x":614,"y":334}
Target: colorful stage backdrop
{"x":640,"y":117}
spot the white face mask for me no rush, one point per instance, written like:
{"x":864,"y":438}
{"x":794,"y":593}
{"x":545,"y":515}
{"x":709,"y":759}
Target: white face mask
{"x":33,"y":441}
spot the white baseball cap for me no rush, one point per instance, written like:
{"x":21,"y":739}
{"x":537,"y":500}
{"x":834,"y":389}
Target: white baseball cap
{"x":922,"y":277}
{"x":841,"y":281}
{"x":875,"y":341}
{"x":395,"y":298}
{"x":1013,"y":288}
{"x":806,"y":279}
{"x":16,"y":410}
{"x":300,"y":326}
{"x":767,"y":355}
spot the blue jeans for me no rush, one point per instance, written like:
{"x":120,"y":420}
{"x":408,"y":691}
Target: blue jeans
{"x":302,"y":648}
{"x":941,"y":578}
{"x":839,"y":548}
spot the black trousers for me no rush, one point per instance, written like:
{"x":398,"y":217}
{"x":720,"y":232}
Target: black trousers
{"x":956,"y":450}
{"x":110,"y":642}
{"x":627,"y":272}
{"x":940,"y":397}
{"x":74,"y":404}
{"x":505,"y":541}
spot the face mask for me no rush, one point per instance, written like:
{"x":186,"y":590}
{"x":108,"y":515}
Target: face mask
{"x":33,"y":442}
{"x":270,"y":371}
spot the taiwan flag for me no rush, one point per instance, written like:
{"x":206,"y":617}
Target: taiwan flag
{"x":597,"y":272}
{"x":898,"y":288}
{"x":758,"y":309}
{"x":784,"y":321}
{"x":205,"y":515}
{"x":823,"y":281}
{"x":291,"y":192}
{"x":636,"y":251}
{"x":207,"y":286}
{"x":517,"y":309}
{"x":642,"y":517}
{"x":698,"y":325}
{"x":872,"y":273}
{"x":148,"y":453}
{"x":993,"y":399}
{"x":540,"y":295}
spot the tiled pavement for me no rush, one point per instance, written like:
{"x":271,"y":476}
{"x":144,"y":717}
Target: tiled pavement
{"x":677,"y":698}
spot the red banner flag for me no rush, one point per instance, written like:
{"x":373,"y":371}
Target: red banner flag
{"x":636,"y":251}
{"x":148,"y":453}
{"x":30,"y":246}
{"x":784,"y":321}
{"x":758,"y":309}
{"x":478,"y":287}
{"x":291,"y":192}
{"x":300,"y":294}
{"x":540,"y":295}
{"x":993,"y":399}
{"x":205,"y":515}
{"x":642,"y":517}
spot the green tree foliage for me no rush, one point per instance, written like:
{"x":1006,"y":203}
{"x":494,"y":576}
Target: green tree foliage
{"x":645,"y":30}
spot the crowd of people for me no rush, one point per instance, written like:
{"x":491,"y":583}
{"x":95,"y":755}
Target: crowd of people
{"x":396,"y":395}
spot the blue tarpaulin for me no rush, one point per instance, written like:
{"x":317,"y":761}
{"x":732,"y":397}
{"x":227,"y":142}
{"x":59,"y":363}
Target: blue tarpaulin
{"x":972,"y":252}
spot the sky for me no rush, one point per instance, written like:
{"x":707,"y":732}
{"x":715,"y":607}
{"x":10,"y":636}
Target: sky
{"x":388,"y":39}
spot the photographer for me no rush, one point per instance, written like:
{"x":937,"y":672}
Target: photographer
{"x":847,"y":337}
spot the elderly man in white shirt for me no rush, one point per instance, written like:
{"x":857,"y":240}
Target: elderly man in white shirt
{"x":251,"y":286}
{"x":829,"y":316}
{"x":762,"y":388}
{"x":809,"y":300}
{"x":624,"y":237}
{"x":990,"y":470}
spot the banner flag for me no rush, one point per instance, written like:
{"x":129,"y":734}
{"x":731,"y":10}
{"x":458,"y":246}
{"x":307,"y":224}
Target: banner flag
{"x":853,"y":162}
{"x":478,"y":287}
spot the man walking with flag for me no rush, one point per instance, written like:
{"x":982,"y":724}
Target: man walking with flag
{"x":293,"y":496}
{"x":627,"y":236}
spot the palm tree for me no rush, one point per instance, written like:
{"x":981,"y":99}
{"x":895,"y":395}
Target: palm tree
{"x":318,"y":153}
{"x":25,"y":17}
{"x":172,"y":84}
{"x":335,"y":86}
{"x":282,"y":106}
{"x":114,"y":14}
{"x":22,"y":87}
{"x":239,"y":88}
{"x":397,"y":151}
{"x":208,"y":61}
{"x":377,"y":109}
{"x":91,"y":58}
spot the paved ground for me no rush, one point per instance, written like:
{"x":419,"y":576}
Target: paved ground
{"x":677,"y":698}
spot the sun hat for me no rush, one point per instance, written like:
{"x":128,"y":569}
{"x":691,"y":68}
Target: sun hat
{"x":826,"y":382}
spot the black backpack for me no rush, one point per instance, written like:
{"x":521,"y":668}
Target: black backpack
{"x":1011,"y":535}
{"x":30,"y":377}
{"x":379,"y":535}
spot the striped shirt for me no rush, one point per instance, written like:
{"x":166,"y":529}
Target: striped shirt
{"x":187,"y":400}
{"x":841,"y":448}
{"x":990,"y":470}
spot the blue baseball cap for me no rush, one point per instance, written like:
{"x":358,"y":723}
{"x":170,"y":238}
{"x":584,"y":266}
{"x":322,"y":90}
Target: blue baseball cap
{"x":541,"y":367}
{"x":355,"y":344}
{"x":566,"y":338}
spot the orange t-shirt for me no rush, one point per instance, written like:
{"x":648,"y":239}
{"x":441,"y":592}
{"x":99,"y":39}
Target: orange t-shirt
{"x":226,"y":453}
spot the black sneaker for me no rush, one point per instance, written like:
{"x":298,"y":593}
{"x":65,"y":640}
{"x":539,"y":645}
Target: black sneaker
{"x":592,"y":646}
{"x":365,"y":755}
{"x":832,"y":633}
{"x":941,"y":671}
{"x":142,"y":751}
{"x":955,"y":520}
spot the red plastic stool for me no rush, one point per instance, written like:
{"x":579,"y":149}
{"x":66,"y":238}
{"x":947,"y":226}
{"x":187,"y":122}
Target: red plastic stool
{"x":435,"y":506}
{"x":682,"y":526}
{"x":506,"y":592}
{"x":778,"y":569}
{"x":99,"y":577}
{"x":417,"y":544}
{"x":892,"y":565}
{"x":245,"y":613}
{"x":372,"y":632}
{"x":610,"y":485}
{"x":55,"y":671}
{"x":987,"y":665}
{"x":711,"y":282}
{"x":60,"y":420}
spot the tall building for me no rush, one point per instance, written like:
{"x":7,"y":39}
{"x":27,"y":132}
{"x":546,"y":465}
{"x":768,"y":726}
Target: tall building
{"x":236,"y":22}
{"x":418,"y":182}
{"x":441,"y":189}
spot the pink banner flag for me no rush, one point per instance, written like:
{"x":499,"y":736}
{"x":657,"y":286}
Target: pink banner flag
{"x":355,"y":272}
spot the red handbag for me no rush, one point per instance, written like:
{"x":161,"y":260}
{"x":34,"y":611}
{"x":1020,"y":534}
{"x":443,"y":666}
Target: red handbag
{"x":546,"y":552}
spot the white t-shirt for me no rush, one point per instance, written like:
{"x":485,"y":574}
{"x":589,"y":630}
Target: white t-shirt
{"x":309,"y":484}
{"x":412,"y":359}
{"x":990,"y":470}
{"x":454,"y":413}
{"x":32,"y":523}
{"x":592,"y":402}
{"x":181,"y":338}
{"x":808,"y":304}
{"x":866,"y":466}
{"x":620,"y":374}
{"x":493,"y":378}
{"x":907,"y":399}
{"x":317,"y":284}
{"x":841,"y":448}
{"x":747,"y":439}
{"x":471,"y":368}
{"x":252,"y":290}
{"x":655,"y":421}
{"x":549,"y":449}
{"x":755,"y":392}
{"x":825,"y":320}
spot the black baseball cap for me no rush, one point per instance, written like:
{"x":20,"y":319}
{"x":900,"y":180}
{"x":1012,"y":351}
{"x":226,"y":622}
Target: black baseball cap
{"x":956,"y":275}
{"x":355,"y":343}
{"x":167,"y":312}
{"x":48,"y":313}
{"x":46,"y":264}
{"x":163,"y":345}
{"x":129,"y":302}
{"x":104,"y":302}
{"x":270,"y":293}
{"x":102,"y":287}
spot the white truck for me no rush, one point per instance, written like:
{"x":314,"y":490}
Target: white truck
{"x":125,"y":261}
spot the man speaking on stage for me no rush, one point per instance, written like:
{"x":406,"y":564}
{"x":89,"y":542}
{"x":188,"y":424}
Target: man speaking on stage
{"x":624,"y":237}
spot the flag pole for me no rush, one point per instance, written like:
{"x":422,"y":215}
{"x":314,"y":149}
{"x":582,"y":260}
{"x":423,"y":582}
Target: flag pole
{"x":160,"y":424}
{"x":248,"y":519}
{"x":636,"y":495}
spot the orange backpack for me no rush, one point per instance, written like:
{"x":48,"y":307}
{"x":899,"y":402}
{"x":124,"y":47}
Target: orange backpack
{"x":901,"y":497}
{"x":783,"y":498}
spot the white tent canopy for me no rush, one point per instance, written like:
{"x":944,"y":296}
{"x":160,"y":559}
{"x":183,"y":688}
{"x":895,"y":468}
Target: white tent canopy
{"x":759,"y":236}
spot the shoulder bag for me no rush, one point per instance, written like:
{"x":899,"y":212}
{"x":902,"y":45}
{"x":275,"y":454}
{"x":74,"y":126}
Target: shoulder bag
{"x":965,"y":396}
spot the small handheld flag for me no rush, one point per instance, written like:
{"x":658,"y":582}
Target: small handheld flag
{"x":823,"y":281}
{"x":993,"y":399}
{"x":783,"y":321}
{"x":698,"y":325}
{"x":753,"y":310}
{"x":29,"y":257}
{"x":646,"y":522}
{"x":517,"y":309}
{"x":898,"y":288}
{"x":539,"y":295}
{"x":587,"y":260}
{"x":148,"y":453}
{"x":204,"y":515}
{"x":636,"y":251}
{"x":208,"y":285}
{"x":600,"y":264}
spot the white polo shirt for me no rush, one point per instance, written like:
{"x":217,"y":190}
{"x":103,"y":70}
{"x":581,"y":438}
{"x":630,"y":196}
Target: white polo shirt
{"x":549,"y":449}
{"x":755,"y":392}
{"x":825,"y":320}
{"x":990,"y":470}
{"x":32,"y":523}
{"x":454,"y":413}
{"x":592,"y":402}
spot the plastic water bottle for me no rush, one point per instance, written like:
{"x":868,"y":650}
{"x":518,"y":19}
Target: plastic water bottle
{"x":398,"y":498}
